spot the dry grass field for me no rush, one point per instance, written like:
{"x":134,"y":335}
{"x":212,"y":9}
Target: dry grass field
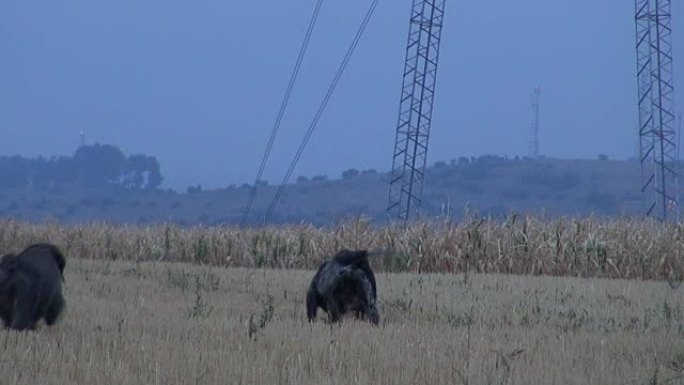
{"x":525,"y":300}
{"x":175,"y":323}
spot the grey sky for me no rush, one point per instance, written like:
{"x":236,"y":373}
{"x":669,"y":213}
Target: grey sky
{"x":198,"y":83}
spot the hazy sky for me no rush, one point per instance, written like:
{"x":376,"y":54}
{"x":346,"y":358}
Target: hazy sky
{"x":198,"y":83}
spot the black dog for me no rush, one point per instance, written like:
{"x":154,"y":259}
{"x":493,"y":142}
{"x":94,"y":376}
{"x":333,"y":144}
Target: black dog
{"x":345,"y":283}
{"x":31,"y":286}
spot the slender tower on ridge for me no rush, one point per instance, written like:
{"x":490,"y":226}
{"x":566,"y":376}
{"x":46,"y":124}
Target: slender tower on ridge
{"x":534,"y":144}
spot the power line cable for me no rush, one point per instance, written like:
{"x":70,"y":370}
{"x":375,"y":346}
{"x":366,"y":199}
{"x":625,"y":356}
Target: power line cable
{"x":320,"y":110}
{"x":281,"y":111}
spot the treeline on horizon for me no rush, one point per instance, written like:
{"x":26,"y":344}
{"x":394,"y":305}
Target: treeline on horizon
{"x":92,"y":165}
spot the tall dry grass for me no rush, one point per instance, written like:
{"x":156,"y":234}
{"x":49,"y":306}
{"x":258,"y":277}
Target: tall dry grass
{"x":587,"y":247}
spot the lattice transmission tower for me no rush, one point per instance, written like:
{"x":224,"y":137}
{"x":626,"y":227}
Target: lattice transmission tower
{"x":657,"y":134}
{"x":415,"y":109}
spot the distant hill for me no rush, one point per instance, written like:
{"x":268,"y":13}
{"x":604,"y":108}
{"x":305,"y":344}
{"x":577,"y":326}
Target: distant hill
{"x":488,"y":185}
{"x":94,"y":165}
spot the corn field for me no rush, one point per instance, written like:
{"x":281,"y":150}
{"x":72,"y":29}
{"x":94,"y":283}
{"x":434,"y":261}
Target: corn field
{"x":585,"y":247}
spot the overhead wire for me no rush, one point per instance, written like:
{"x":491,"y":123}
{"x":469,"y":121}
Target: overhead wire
{"x":321,"y":108}
{"x":281,"y":111}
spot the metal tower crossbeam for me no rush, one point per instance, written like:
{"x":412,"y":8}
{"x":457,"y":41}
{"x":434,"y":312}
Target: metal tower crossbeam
{"x":657,"y":134}
{"x":415,"y":109}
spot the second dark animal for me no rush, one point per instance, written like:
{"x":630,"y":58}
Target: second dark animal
{"x":31,"y":286}
{"x":344,"y":284}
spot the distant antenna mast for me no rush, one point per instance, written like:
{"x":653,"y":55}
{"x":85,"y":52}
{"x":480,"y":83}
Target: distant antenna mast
{"x":534,"y":145}
{"x":81,"y":138}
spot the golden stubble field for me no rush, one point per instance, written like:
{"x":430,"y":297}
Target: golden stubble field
{"x":176,"y":323}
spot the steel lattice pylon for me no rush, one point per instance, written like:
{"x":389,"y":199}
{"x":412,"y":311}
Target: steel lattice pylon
{"x":657,"y":149}
{"x":415,"y":109}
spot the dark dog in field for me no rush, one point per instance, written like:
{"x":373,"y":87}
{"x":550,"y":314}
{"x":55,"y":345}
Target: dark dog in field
{"x":31,"y":286}
{"x":343,"y":284}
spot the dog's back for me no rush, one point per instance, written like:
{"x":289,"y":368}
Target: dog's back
{"x":46,"y":260}
{"x":351,"y":257}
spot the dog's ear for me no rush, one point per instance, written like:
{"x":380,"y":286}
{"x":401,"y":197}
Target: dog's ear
{"x":61,"y":263}
{"x":8,"y":264}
